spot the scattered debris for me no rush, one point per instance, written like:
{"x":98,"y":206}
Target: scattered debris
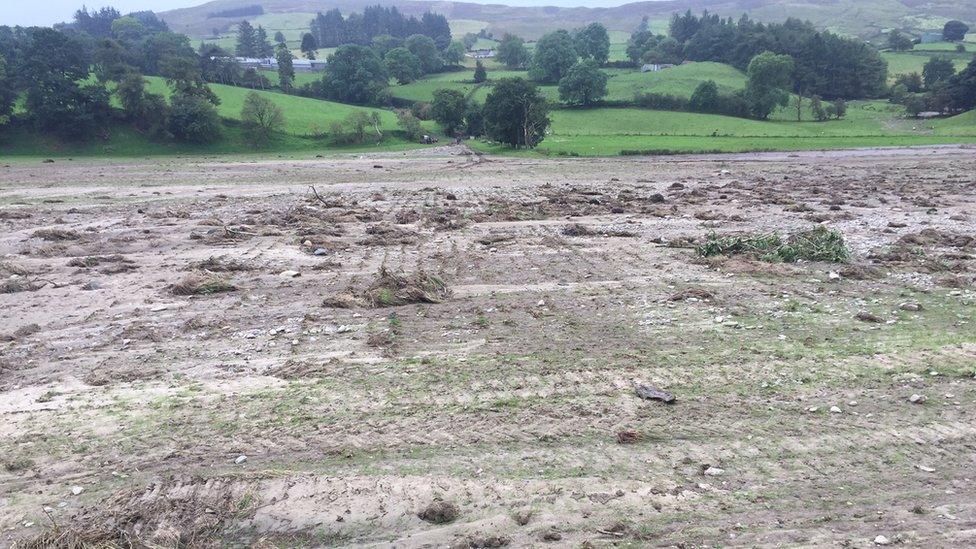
{"x":202,"y":284}
{"x":56,"y":235}
{"x":391,"y":289}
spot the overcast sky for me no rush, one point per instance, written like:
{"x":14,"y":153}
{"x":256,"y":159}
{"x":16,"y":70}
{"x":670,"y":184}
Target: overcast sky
{"x":48,"y":12}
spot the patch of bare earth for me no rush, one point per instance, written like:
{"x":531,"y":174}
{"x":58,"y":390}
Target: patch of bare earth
{"x":444,"y":351}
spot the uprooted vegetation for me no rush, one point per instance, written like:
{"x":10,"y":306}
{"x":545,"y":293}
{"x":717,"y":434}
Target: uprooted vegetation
{"x":202,"y":283}
{"x":178,"y":516}
{"x":817,"y":244}
{"x":391,"y":289}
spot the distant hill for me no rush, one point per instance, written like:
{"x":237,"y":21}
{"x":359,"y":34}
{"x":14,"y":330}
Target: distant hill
{"x":864,"y":18}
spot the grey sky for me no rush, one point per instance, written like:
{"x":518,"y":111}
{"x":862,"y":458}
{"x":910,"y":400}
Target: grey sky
{"x":48,"y":12}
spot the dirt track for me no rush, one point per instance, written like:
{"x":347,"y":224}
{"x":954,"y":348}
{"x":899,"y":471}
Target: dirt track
{"x":512,"y":398}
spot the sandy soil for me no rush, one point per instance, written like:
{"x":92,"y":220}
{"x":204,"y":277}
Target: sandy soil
{"x":296,"y":409}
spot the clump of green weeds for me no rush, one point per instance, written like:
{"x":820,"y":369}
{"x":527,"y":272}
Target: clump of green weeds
{"x":817,"y":244}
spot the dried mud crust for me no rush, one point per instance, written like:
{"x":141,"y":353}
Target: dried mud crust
{"x":442,"y":351}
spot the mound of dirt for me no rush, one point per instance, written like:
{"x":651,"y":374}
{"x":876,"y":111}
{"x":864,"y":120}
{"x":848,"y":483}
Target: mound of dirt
{"x":439,"y":512}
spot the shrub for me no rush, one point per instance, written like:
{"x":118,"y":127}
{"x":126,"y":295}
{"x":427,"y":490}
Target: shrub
{"x":410,"y":125}
{"x":193,"y":120}
{"x":261,"y":119}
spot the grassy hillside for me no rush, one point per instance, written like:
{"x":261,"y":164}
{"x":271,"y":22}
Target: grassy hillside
{"x":303,"y":116}
{"x":124,"y":142}
{"x":680,"y":81}
{"x":865,"y":18}
{"x":622,"y":85}
{"x":868,"y":124}
{"x":907,"y":62}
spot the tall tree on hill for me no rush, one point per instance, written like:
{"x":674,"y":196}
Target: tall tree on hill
{"x":262,"y":46}
{"x":403,"y":65}
{"x":515,"y":113}
{"x":50,"y":65}
{"x":246,"y":40}
{"x":286,"y":68}
{"x":683,"y":27}
{"x":7,"y":93}
{"x":454,"y":54}
{"x":308,"y":46}
{"x":584,"y":84}
{"x":354,"y":74}
{"x":962,"y":88}
{"x":937,"y":71}
{"x":279,"y":37}
{"x":425,"y":49}
{"x":329,"y":29}
{"x":768,"y":83}
{"x":437,"y":27}
{"x":555,"y":53}
{"x":96,"y":23}
{"x":593,"y":42}
{"x":898,"y":41}
{"x":448,"y":109}
{"x":954,"y":31}
{"x":512,"y":52}
{"x":480,"y":74}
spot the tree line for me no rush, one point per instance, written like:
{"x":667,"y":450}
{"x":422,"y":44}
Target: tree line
{"x":331,"y":29}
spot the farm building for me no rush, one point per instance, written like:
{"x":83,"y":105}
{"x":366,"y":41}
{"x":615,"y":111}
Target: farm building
{"x":481,"y":54}
{"x":271,"y":64}
{"x":655,"y":67}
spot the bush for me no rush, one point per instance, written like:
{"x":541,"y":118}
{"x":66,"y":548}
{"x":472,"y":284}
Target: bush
{"x":356,"y":128}
{"x":261,"y":119}
{"x":193,"y":120}
{"x":448,"y":109}
{"x":410,"y":125}
{"x":660,"y":101}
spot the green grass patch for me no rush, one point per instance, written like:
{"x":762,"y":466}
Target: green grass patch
{"x":304,"y":116}
{"x":817,"y":244}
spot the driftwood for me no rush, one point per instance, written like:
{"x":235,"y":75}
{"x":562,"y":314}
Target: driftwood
{"x":652,"y":393}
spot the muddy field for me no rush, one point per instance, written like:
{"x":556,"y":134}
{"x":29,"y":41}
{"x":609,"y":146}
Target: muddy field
{"x":443,"y":351}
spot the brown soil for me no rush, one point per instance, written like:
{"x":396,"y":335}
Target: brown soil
{"x":444,"y":352}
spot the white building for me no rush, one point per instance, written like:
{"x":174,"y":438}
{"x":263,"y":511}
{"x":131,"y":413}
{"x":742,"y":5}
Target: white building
{"x":271,"y":64}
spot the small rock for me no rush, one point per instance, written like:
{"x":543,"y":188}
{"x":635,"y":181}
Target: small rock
{"x":881,"y":540}
{"x":868,"y":317}
{"x":290,"y":274}
{"x":833,"y":276}
{"x":75,"y":490}
{"x":835,"y":410}
{"x":916,"y":399}
{"x":240,"y":459}
{"x":523,"y":516}
{"x":320,"y":251}
{"x":914,"y":307}
{"x":656,"y":198}
{"x":925,"y":469}
{"x":713,"y":472}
